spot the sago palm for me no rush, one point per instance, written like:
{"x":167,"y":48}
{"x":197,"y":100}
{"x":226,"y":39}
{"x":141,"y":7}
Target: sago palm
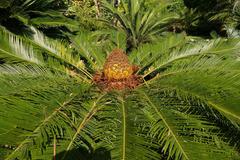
{"x":139,"y":22}
{"x":177,"y":98}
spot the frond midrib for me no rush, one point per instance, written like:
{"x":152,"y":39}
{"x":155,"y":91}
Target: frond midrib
{"x":85,"y":72}
{"x":172,"y":73}
{"x":166,"y":124}
{"x":179,"y":57}
{"x":87,"y":117}
{"x":170,"y":61}
{"x":32,"y":42}
{"x":124,"y":130}
{"x":18,"y":57}
{"x":62,"y":106}
{"x":209,"y":102}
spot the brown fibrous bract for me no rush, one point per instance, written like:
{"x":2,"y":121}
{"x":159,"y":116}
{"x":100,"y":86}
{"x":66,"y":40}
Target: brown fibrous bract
{"x":117,"y":73}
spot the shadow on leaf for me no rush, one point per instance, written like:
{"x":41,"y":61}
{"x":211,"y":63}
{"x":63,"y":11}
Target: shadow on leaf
{"x":84,"y":154}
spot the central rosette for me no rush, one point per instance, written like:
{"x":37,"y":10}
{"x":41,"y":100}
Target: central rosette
{"x":117,"y":66}
{"x":117,"y":73}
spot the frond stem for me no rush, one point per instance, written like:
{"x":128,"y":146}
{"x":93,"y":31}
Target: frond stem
{"x":40,"y":125}
{"x":124,"y":130}
{"x":89,"y":115}
{"x":209,"y":102}
{"x":166,"y":124}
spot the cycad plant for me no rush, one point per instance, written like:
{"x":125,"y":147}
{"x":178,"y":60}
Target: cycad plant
{"x":140,"y":23}
{"x":176,"y":98}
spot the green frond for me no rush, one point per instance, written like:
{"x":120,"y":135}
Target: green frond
{"x":5,"y":3}
{"x":204,"y":76}
{"x":110,"y":39}
{"x":90,"y":48}
{"x":40,"y":51}
{"x":31,"y":110}
{"x":215,"y":77}
{"x":180,"y":133}
{"x":139,"y":23}
{"x":50,"y":13}
{"x":120,"y":128}
{"x":218,"y":47}
{"x":39,"y":13}
{"x":47,"y":21}
{"x":79,"y":136}
{"x":83,"y":126}
{"x":13,"y":49}
{"x":18,"y":69}
{"x":147,"y":54}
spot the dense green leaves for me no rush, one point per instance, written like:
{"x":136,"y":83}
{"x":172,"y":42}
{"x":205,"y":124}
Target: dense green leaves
{"x":187,"y":107}
{"x":124,"y":119}
{"x":184,"y":135}
{"x":32,"y":109}
{"x":141,"y":25}
{"x":40,"y":50}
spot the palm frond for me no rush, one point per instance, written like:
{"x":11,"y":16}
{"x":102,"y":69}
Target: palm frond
{"x":141,"y":25}
{"x":123,"y":134}
{"x":90,"y":48}
{"x":222,"y":81}
{"x":13,"y":49}
{"x":182,"y":134}
{"x":28,"y":96}
{"x":219,"y":47}
{"x":205,"y":77}
{"x":82,"y":130}
{"x":147,"y":54}
{"x":39,"y":51}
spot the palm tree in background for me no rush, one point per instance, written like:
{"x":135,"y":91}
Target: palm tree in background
{"x":140,"y":23}
{"x":186,"y":106}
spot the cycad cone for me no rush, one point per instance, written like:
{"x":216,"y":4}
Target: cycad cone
{"x":117,"y":65}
